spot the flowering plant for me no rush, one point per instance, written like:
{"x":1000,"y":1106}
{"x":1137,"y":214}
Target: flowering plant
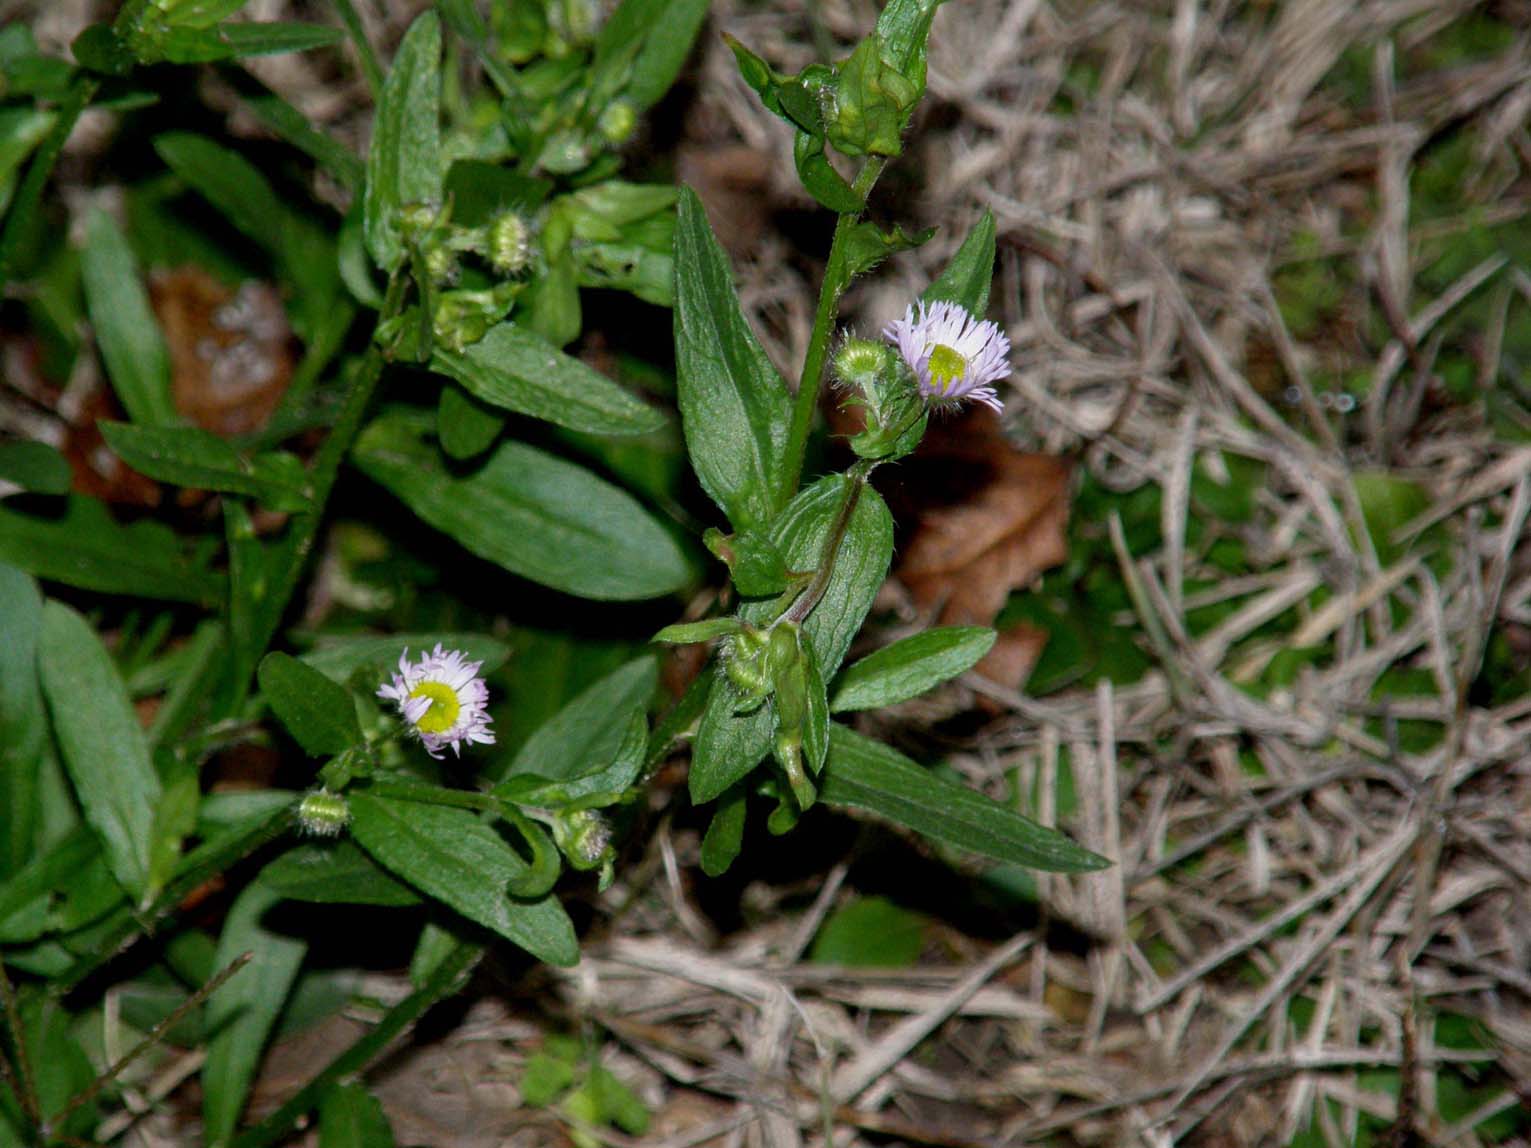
{"x":451,"y":286}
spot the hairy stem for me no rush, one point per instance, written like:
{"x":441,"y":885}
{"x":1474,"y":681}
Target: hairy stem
{"x":835,"y":281}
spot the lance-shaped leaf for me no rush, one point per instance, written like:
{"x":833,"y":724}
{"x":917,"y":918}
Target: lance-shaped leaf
{"x":518,"y":370}
{"x":967,"y":277}
{"x":189,"y":456}
{"x":404,"y":161}
{"x":908,"y":668}
{"x":241,"y":1013}
{"x":463,"y":863}
{"x":86,"y":547}
{"x":536,"y":515}
{"x":865,"y":774}
{"x":104,"y":747}
{"x":318,"y":713}
{"x":734,"y":406}
{"x":23,"y":722}
{"x":649,"y":40}
{"x":137,"y":360}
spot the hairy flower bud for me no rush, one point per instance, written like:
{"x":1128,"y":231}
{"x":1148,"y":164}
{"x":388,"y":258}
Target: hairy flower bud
{"x":323,"y":813}
{"x":584,"y":835}
{"x":508,"y":244}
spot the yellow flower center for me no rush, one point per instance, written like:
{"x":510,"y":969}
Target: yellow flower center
{"x":946,"y":368}
{"x":444,"y":707}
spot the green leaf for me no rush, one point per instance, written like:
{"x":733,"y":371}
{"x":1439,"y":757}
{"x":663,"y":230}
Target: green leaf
{"x":466,"y":426}
{"x":909,"y":667}
{"x":725,"y":833}
{"x":334,"y":873}
{"x":192,"y":457}
{"x":254,"y":574}
{"x":175,"y":817}
{"x":860,"y":566}
{"x":237,"y":41}
{"x":867,"y":245}
{"x":241,"y":1013}
{"x":684,"y":633}
{"x":462,"y":862}
{"x":64,"y":887}
{"x":536,"y":515}
{"x":865,"y":774}
{"x":104,"y":747}
{"x":514,"y":368}
{"x":480,"y":190}
{"x":656,"y":36}
{"x":341,"y":658}
{"x":816,"y":717}
{"x":903,"y":27}
{"x":86,"y":547}
{"x":545,"y":1078}
{"x":404,"y":161}
{"x":967,"y":277}
{"x":318,"y":713}
{"x":304,"y":254}
{"x":291,"y":125}
{"x":870,"y":933}
{"x":136,"y":357}
{"x":350,"y":1117}
{"x":23,"y":722}
{"x":820,"y":178}
{"x":198,"y":13}
{"x":584,"y":737}
{"x":734,"y":406}
{"x":60,"y":1067}
{"x":615,"y":1103}
{"x":729,"y":745}
{"x":753,"y":561}
{"x":34,"y":466}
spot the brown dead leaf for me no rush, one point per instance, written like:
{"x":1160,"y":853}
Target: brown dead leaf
{"x":231,"y":352}
{"x":988,"y":519}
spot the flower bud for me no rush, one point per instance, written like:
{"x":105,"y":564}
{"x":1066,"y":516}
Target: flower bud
{"x":508,"y":244}
{"x":745,"y":662}
{"x":584,"y":835}
{"x":323,"y":813}
{"x":416,"y":220}
{"x":617,"y":121}
{"x":441,"y":263}
{"x":864,"y":365}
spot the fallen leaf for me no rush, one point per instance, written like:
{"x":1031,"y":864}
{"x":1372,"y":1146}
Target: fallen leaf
{"x":231,"y":351}
{"x":987,"y":520}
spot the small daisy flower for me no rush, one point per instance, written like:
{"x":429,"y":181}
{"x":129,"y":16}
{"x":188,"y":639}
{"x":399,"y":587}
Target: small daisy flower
{"x":443,"y":700}
{"x":953,"y":355}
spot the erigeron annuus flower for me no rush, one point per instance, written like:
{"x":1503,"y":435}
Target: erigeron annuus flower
{"x":442,"y":699}
{"x":953,"y":355}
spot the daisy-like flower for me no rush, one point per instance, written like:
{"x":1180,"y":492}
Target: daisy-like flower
{"x":953,"y":355}
{"x":442,"y":699}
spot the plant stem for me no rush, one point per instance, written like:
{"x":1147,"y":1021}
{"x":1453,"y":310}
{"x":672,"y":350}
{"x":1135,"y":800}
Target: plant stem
{"x":29,"y":194}
{"x":855,"y":480}
{"x":442,"y":983}
{"x":835,"y":282}
{"x":305,"y":525}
